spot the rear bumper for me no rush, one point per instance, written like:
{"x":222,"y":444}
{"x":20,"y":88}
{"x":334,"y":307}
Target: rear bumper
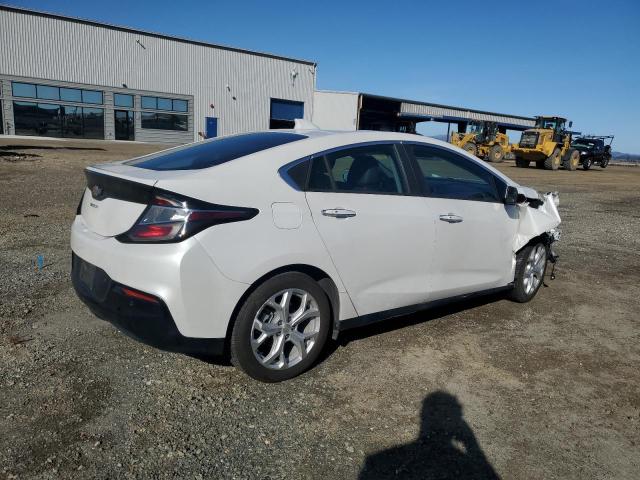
{"x":146,"y":320}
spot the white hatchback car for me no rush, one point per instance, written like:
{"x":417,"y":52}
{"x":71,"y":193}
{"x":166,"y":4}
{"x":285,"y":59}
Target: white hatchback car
{"x":264,"y":244}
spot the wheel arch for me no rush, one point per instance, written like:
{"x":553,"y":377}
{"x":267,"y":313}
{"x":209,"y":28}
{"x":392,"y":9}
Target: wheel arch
{"x":325,"y":281}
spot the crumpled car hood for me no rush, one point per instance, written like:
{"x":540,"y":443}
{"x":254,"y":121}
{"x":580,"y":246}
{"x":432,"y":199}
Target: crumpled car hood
{"x":536,"y":221}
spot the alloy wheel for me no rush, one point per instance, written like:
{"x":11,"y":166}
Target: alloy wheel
{"x":534,"y":269}
{"x":285,"y":329}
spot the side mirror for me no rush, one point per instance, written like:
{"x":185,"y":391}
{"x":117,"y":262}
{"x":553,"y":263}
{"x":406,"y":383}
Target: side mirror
{"x":511,"y":196}
{"x":571,"y":124}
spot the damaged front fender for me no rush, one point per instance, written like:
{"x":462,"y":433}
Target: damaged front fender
{"x":536,"y":217}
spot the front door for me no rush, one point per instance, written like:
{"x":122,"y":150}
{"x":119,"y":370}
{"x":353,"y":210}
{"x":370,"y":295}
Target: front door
{"x":379,"y":238}
{"x":475,"y":230}
{"x":124,"y":126}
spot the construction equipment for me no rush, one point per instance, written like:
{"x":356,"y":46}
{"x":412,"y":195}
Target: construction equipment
{"x":548,"y":144}
{"x":483,"y":140}
{"x":593,"y":150}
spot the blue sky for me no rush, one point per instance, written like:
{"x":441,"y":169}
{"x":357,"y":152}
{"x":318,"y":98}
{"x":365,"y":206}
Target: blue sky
{"x":579,"y":59}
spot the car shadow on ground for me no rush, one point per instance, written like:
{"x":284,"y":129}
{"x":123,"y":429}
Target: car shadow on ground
{"x":446,"y":448}
{"x":423,"y":316}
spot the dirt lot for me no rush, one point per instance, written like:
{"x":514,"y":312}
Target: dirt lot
{"x":550,"y":389}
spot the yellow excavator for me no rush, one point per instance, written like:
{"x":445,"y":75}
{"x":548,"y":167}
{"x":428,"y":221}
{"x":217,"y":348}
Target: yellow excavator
{"x":483,"y":140}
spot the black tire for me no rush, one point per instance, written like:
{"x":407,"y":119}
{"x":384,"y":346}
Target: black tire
{"x":519,"y":292}
{"x":540,"y":165}
{"x":471,"y":148}
{"x":605,"y":161}
{"x":586,"y":163}
{"x":571,"y":160}
{"x":242,"y":354}
{"x":553,"y":161}
{"x":522,"y":163}
{"x":496,"y":154}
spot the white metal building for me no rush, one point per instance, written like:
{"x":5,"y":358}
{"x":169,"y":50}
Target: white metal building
{"x":68,"y":77}
{"x":361,"y":111}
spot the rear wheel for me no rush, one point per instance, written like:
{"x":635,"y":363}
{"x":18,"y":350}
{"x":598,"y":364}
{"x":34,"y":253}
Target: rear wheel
{"x":522,"y":163}
{"x":605,"y":161}
{"x":571,"y":159}
{"x":471,"y":148}
{"x":281,"y":328}
{"x":586,"y":163}
{"x":531,"y":264}
{"x":553,"y":161}
{"x":496,"y":154}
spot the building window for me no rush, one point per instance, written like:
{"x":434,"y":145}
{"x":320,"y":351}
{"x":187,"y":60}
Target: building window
{"x":47,"y":92}
{"x":23,"y":90}
{"x":71,"y":94}
{"x":167,"y":104}
{"x":122,"y":100}
{"x":50,"y":120}
{"x":164,"y":121}
{"x":284,"y":112}
{"x":92,"y":96}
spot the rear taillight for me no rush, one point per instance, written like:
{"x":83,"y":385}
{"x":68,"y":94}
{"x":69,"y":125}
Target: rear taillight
{"x":172,"y":218}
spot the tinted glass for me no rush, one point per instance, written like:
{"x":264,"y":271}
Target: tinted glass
{"x":165,"y":104}
{"x":71,"y":121}
{"x":164,"y":121}
{"x":36,"y":119}
{"x":122,"y":100}
{"x":446,"y":174}
{"x":149,"y":102}
{"x":91,"y":96}
{"x":70,"y":94}
{"x":214,"y":152}
{"x":319,"y":179}
{"x":93,"y":119}
{"x":48,"y":93}
{"x":23,"y":89}
{"x":370,"y":169}
{"x":180,"y":105}
{"x":298,"y":174}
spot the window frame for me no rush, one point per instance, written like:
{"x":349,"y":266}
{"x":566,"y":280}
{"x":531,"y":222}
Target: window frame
{"x":408,"y":185}
{"x":423,"y":190}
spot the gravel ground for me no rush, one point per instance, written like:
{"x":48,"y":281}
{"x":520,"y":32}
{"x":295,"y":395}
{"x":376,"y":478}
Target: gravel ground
{"x":550,"y":389}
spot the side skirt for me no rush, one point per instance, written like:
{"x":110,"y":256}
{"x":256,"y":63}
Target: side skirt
{"x":370,"y":318}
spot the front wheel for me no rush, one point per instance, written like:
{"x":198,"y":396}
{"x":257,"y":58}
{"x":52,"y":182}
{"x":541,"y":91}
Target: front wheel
{"x":471,"y":148}
{"x":531,"y":264}
{"x":496,"y":154}
{"x":281,"y":328}
{"x":553,"y":161}
{"x":571,"y":159}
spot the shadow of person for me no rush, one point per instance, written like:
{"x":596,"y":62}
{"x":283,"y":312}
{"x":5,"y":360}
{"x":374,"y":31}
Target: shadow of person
{"x":446,"y":448}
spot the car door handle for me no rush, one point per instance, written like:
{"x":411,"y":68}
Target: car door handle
{"x":338,"y":213}
{"x":451,"y":218}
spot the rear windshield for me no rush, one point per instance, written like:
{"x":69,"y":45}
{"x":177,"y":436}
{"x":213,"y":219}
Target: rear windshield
{"x":213,"y":152}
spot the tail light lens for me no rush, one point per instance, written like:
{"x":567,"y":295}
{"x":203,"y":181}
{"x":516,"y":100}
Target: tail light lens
{"x":173,"y":218}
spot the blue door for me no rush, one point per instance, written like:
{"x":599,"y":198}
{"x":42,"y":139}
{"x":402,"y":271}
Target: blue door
{"x":212,"y":127}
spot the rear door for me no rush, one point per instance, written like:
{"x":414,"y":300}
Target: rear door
{"x":379,"y":237}
{"x":474,"y":228}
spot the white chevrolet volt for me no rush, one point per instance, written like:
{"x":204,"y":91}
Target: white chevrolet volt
{"x":264,"y":244}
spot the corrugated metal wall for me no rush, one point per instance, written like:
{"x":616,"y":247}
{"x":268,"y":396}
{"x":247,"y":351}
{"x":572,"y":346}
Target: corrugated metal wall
{"x":438,"y":111}
{"x":239,"y":84}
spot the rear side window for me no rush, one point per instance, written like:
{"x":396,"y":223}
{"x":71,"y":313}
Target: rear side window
{"x":445,"y":174}
{"x":368,"y":169}
{"x":213,"y":152}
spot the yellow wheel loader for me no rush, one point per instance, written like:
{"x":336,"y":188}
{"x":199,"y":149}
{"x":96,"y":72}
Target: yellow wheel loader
{"x":548,"y":144}
{"x":483,"y":140}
